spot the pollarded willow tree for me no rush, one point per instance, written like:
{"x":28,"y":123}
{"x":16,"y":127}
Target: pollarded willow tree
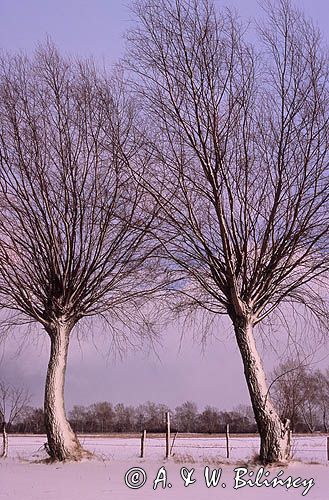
{"x":240,"y":144}
{"x":74,"y":238}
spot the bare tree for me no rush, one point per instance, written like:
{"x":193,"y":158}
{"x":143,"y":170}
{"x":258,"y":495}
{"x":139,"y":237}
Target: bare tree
{"x":288,"y":390}
{"x":125,"y":419}
{"x":322,"y":384}
{"x":30,"y":420}
{"x":185,"y":417}
{"x":13,"y":402}
{"x":240,"y":146}
{"x":74,"y":234}
{"x":81,"y":419}
{"x":103,"y":415}
{"x":301,"y":395}
{"x":209,"y":420}
{"x":309,"y":407}
{"x":151,"y":416}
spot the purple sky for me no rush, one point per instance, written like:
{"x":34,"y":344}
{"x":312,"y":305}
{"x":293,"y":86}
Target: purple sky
{"x":173,"y":375}
{"x":96,"y":27}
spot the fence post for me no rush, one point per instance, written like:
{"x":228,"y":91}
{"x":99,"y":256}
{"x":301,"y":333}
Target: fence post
{"x":167,"y":434}
{"x":227,"y":440}
{"x":172,"y":444}
{"x":143,"y":437}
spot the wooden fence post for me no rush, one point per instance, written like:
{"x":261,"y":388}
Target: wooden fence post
{"x":172,"y":444}
{"x":167,"y":434}
{"x":227,"y":440}
{"x":143,"y":437}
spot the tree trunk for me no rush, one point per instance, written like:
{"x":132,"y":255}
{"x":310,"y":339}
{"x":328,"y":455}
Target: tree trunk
{"x":274,"y":434}
{"x":324,"y":416}
{"x":63,"y":443}
{"x":4,"y":453}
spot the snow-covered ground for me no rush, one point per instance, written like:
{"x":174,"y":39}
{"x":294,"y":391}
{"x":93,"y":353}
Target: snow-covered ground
{"x":23,"y":477}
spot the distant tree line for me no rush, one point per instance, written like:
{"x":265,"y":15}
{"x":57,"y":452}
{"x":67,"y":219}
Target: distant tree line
{"x":300,"y":393}
{"x":103,"y":417}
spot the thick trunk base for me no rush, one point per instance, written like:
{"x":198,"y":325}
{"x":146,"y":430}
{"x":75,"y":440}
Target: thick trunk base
{"x":63,"y":444}
{"x":275,"y":442}
{"x":274,"y":434}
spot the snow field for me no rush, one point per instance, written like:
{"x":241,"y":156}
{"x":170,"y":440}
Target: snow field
{"x":23,"y":478}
